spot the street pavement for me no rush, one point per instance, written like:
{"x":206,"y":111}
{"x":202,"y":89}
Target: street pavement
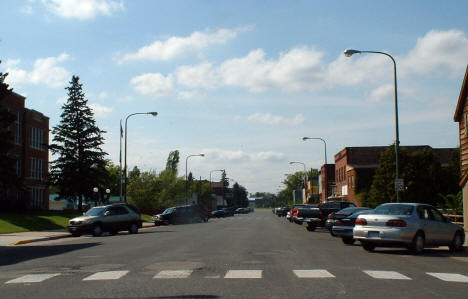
{"x":257,"y":255}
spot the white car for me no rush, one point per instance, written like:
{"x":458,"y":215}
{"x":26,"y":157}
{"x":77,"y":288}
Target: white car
{"x":411,"y":225}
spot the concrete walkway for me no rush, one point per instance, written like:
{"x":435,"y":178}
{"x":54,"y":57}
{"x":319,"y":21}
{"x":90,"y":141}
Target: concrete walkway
{"x":36,"y":236}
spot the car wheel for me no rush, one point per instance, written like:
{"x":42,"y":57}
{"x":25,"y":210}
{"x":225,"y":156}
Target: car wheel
{"x":97,"y":230}
{"x":457,"y":243}
{"x":348,"y":240}
{"x":133,"y":229}
{"x":311,"y":228}
{"x":205,"y":219}
{"x":417,"y":246}
{"x":368,"y":246}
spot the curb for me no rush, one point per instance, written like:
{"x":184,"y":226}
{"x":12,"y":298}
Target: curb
{"x":26,"y":241}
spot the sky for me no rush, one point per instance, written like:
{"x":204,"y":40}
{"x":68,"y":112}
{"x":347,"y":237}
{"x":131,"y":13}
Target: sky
{"x":243,"y":81}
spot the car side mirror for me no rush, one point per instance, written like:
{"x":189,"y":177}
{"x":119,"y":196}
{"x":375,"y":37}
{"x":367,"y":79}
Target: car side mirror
{"x":106,"y":213}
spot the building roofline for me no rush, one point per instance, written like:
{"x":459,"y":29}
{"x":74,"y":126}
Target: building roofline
{"x":461,"y":98}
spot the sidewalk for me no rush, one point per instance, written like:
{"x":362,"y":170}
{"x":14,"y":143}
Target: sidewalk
{"x":28,"y":237}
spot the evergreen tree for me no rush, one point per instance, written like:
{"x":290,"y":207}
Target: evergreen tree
{"x":8,"y":176}
{"x":77,"y":142}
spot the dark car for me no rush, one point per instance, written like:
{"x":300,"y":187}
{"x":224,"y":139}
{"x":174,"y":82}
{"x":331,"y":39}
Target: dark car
{"x":320,"y":215}
{"x":228,"y":212}
{"x":242,"y":211}
{"x":109,"y":218}
{"x":181,"y":214}
{"x":342,"y":214}
{"x":218,"y":214}
{"x":344,"y":227}
{"x":281,"y":212}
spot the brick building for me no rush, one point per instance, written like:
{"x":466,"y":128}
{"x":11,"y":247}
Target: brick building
{"x":327,"y":182}
{"x":355,"y":167}
{"x":461,"y":116}
{"x":31,"y":139}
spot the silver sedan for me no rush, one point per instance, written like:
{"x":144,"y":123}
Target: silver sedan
{"x":411,"y":225}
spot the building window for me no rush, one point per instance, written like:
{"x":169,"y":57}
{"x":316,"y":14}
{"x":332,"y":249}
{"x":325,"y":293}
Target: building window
{"x":18,"y":167}
{"x":37,"y":139}
{"x":36,"y":169}
{"x":38,"y":198}
{"x":19,"y":128}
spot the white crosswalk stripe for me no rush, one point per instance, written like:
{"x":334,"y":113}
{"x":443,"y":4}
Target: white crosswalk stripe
{"x":386,"y":275}
{"x":313,"y":273}
{"x":452,"y":277}
{"x":234,"y":274}
{"x":30,"y":278}
{"x":168,"y":274}
{"x":107,"y":275}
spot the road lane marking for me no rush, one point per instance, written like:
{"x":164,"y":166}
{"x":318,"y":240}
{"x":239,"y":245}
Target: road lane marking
{"x":243,"y":274}
{"x":313,"y":274}
{"x":107,"y":275}
{"x":386,"y":275}
{"x":452,"y":277}
{"x":169,"y":274}
{"x":30,"y":278}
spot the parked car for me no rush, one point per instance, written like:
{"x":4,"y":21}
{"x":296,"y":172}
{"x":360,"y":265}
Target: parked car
{"x":181,"y":214}
{"x":281,"y":212}
{"x":411,"y":225}
{"x":343,"y":227}
{"x":304,"y":212}
{"x":228,"y":211}
{"x":319,"y":215}
{"x":332,"y":217}
{"x":241,"y":211}
{"x":293,"y":212}
{"x":108,"y":218}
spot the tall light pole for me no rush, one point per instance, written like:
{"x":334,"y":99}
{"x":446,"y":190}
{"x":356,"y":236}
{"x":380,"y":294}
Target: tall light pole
{"x":325,"y":174}
{"x":186,"y":177}
{"x":125,"y":167}
{"x":349,"y":53}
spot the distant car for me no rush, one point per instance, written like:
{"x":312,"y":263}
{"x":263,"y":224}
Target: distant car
{"x":343,"y":227}
{"x":181,"y":214}
{"x":218,"y":214}
{"x":108,"y":218}
{"x":228,"y":211}
{"x":333,"y":217}
{"x":283,"y":211}
{"x":411,"y":225}
{"x":242,"y":211}
{"x":318,"y":216}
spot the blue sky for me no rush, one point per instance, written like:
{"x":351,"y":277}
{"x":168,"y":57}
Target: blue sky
{"x":243,"y":81}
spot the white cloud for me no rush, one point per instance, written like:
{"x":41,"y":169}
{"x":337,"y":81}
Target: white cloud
{"x":270,"y":119}
{"x":103,"y":95}
{"x":386,"y":92}
{"x":175,"y":46}
{"x":202,"y":75}
{"x":187,"y":95}
{"x":438,"y":51}
{"x":215,"y":154}
{"x":62,"y":100}
{"x":27,"y":10}
{"x":45,"y":71}
{"x":154,"y":84}
{"x":83,"y":9}
{"x":100,"y":111}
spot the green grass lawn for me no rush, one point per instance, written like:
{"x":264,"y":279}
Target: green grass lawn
{"x":146,"y":218}
{"x":34,"y":221}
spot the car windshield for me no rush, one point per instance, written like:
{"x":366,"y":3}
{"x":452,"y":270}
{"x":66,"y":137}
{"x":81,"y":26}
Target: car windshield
{"x":95,"y":212}
{"x":168,"y":211}
{"x":361,"y":212}
{"x":347,"y":210}
{"x":394,"y":209}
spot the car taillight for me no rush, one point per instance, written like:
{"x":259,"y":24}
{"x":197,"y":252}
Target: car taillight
{"x":396,"y":222}
{"x":361,"y":221}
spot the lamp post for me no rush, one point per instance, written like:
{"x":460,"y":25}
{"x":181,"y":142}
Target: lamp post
{"x":95,"y":191}
{"x":125,"y":167}
{"x":325,"y":174}
{"x":349,"y":53}
{"x":108,"y":195}
{"x":186,"y":177}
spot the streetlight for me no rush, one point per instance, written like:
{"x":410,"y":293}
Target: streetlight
{"x":108,"y":194}
{"x":349,"y":53}
{"x":186,"y":177}
{"x":325,"y":174}
{"x":125,"y":167}
{"x":95,"y":190}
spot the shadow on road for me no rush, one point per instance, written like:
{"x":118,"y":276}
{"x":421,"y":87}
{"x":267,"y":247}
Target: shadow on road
{"x":429,"y":252}
{"x":14,"y":255}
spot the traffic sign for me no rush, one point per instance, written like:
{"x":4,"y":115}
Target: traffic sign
{"x":399,"y":185}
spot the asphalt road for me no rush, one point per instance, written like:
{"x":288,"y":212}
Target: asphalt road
{"x":246,"y":256}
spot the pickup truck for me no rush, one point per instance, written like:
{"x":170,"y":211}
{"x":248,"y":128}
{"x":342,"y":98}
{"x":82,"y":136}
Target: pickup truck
{"x":317,"y":216}
{"x":305,"y":212}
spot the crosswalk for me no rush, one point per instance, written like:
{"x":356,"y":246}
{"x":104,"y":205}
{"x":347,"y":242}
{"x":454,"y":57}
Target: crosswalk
{"x":239,"y":274}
